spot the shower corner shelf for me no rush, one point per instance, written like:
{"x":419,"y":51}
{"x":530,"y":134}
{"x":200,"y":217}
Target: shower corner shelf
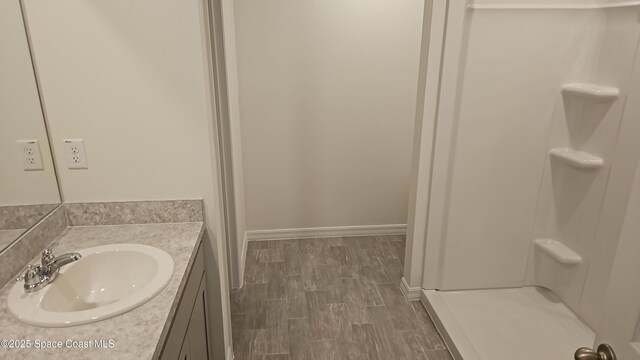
{"x":558,"y":251}
{"x":577,"y":159}
{"x":591,"y":92}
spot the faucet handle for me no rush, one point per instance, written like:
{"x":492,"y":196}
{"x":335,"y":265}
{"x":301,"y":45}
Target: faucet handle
{"x":47,"y":257}
{"x":26,"y":274}
{"x":32,"y":278}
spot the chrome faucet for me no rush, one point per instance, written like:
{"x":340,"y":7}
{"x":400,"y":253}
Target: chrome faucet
{"x":36,"y":277}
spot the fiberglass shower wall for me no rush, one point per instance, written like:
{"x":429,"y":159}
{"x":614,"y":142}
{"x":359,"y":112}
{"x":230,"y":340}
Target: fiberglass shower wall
{"x":527,"y":147}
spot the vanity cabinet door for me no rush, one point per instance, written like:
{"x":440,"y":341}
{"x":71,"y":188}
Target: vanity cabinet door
{"x":184,"y":353}
{"x":197,"y":334}
{"x":188,"y":336}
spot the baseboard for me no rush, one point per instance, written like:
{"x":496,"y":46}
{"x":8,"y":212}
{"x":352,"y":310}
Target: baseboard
{"x":333,"y":231}
{"x":453,"y":336}
{"x":243,"y":260}
{"x":410,"y":293}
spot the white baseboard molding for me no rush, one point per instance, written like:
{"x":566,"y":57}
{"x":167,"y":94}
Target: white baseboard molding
{"x":452,"y":334}
{"x":410,"y":293}
{"x":320,"y":232}
{"x":243,"y":260}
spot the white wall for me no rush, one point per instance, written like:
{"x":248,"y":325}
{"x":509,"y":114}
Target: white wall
{"x":131,"y":78}
{"x":132,"y":86}
{"x":327,"y":106}
{"x":20,"y":117}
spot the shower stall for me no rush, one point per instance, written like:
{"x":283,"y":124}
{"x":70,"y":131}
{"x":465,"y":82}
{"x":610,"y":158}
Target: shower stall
{"x":532,"y":189}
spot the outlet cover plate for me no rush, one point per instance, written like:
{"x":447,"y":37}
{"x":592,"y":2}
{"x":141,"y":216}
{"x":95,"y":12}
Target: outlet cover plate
{"x":30,"y":154}
{"x":75,"y":154}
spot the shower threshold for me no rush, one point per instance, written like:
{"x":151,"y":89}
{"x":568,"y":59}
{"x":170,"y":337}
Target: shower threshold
{"x":526,"y":323}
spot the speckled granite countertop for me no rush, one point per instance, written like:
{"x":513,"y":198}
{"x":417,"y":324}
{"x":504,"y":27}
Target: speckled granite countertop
{"x":137,"y":334}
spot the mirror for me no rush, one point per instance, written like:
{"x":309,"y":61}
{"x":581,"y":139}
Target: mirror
{"x":28,"y":185}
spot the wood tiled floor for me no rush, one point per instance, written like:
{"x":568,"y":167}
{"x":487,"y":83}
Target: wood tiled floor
{"x":334,"y":298}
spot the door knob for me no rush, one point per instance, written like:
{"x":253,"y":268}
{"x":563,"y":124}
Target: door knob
{"x":605,"y":352}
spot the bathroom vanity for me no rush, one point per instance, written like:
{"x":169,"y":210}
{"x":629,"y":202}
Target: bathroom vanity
{"x":171,"y":325}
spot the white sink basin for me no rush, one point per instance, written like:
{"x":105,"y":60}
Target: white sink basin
{"x":107,"y":281}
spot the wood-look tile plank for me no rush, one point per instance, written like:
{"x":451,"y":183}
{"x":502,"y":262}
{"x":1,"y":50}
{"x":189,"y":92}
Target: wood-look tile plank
{"x":255,"y":316}
{"x":309,"y":275}
{"x":367,"y":340}
{"x":321,"y":321}
{"x":255,"y":245}
{"x":341,"y":254}
{"x":364,"y":242}
{"x":427,"y":327}
{"x":402,"y":315}
{"x":357,"y":314}
{"x":341,"y":325}
{"x":296,"y":299}
{"x":368,"y":277}
{"x":351,"y":350}
{"x":259,"y":342}
{"x":385,"y":248}
{"x":276,"y":280}
{"x":253,"y":252}
{"x":275,"y":314}
{"x":374,"y":274}
{"x":334,"y":240}
{"x":328,"y":255}
{"x":355,"y":254}
{"x":277,"y":357}
{"x":399,"y":248}
{"x":298,"y":330}
{"x":273,"y":252}
{"x":349,"y":271}
{"x":326,"y":350}
{"x":392,"y":345}
{"x":310,"y":249}
{"x":355,"y":299}
{"x":237,"y":325}
{"x":256,"y":274}
{"x":393,"y":268}
{"x":242,"y":344}
{"x":292,"y":257}
{"x":333,"y":254}
{"x":269,"y":341}
{"x":238,"y":301}
{"x":327,"y":277}
{"x":250,"y":264}
{"x":416,"y":345}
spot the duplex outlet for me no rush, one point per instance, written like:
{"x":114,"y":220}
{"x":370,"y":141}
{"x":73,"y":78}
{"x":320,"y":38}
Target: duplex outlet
{"x":30,"y":153}
{"x":75,"y":154}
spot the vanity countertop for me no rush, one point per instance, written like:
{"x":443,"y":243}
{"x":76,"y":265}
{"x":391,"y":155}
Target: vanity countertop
{"x":137,"y":334}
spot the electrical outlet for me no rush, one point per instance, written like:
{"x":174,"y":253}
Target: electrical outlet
{"x":30,"y":153}
{"x":76,"y":156}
